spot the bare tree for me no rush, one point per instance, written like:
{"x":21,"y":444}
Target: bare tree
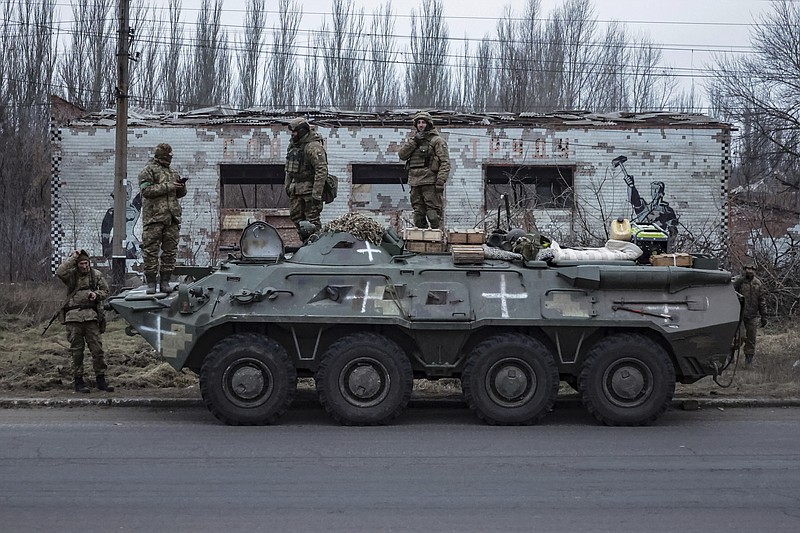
{"x":208,"y":80}
{"x":27,"y":67}
{"x":381,"y":91}
{"x":249,"y":52}
{"x":343,"y":55}
{"x":283,"y":76}
{"x":88,"y":69}
{"x":427,"y":77}
{"x":575,"y":19}
{"x":146,"y":82}
{"x":171,"y":63}
{"x":649,"y":85}
{"x":313,"y":86}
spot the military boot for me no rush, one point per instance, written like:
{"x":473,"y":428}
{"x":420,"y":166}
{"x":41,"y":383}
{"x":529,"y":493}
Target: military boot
{"x":102,"y":384}
{"x":80,"y":385}
{"x":163,"y":285}
{"x":151,"y":283}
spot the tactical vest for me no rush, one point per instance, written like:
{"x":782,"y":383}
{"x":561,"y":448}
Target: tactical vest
{"x":421,"y":156}
{"x":296,"y":165}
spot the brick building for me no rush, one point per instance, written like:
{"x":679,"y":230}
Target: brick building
{"x":555,"y":169}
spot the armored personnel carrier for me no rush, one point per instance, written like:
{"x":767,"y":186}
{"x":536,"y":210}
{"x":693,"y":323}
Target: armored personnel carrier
{"x":365,"y":318}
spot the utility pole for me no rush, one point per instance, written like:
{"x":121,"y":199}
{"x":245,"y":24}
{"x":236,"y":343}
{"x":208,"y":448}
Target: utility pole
{"x":119,"y":241}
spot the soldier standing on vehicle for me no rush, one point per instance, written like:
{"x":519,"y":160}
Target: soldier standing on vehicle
{"x":428,"y":166}
{"x":755,"y":305}
{"x":306,"y":172}
{"x":83,"y":317}
{"x":161,"y":186}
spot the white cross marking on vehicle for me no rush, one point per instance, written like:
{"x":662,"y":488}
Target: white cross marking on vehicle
{"x":504,"y":296}
{"x":369,"y":250}
{"x":364,"y":298}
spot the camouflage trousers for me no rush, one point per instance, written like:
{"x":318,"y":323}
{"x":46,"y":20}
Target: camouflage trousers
{"x":80,"y":334}
{"x":750,"y":331}
{"x":304,"y":207}
{"x":426,"y":202}
{"x":160,"y":237}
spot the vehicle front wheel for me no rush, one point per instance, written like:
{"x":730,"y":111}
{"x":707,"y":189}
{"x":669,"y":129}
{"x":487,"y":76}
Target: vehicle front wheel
{"x":627,"y":380}
{"x":248,"y":379}
{"x":364,"y":379}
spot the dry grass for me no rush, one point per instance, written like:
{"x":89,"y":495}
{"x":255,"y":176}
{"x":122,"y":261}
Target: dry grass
{"x":30,"y":362}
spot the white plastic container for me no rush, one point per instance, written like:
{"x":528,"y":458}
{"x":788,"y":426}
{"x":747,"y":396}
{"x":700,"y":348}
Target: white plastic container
{"x":621,"y":229}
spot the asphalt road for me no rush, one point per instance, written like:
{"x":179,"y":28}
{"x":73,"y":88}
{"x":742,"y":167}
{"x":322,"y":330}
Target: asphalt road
{"x":437,"y":469}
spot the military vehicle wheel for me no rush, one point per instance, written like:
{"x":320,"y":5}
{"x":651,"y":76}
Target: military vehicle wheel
{"x":247,"y":379}
{"x":364,"y":379}
{"x":627,"y":380}
{"x":510,"y":379}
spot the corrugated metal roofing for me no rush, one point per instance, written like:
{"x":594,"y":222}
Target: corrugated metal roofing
{"x":223,"y":115}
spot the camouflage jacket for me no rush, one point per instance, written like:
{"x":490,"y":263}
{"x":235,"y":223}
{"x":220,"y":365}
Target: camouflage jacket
{"x":79,"y":308}
{"x":428,"y":163}
{"x":755,"y":303}
{"x":306,"y":166}
{"x":160,"y":193}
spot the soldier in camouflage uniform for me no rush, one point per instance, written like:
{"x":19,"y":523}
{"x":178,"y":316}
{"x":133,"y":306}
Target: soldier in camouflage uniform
{"x":755,"y":304}
{"x":161,"y":187}
{"x":428,"y":165}
{"x":306,"y":171}
{"x":81,"y":316}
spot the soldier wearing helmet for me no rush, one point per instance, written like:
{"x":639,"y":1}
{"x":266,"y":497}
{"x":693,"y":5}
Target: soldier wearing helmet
{"x":83,"y":318}
{"x":752,"y":289}
{"x":306,"y":171}
{"x":161,"y":187}
{"x":428,"y":166}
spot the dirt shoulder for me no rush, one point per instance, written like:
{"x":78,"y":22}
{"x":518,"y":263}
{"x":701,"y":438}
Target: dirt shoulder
{"x":38,"y":366}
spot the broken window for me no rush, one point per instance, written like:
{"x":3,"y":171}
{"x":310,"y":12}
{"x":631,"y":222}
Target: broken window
{"x":529,"y":186}
{"x":380,"y":187}
{"x":252,"y":187}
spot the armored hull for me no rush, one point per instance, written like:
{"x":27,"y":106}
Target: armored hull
{"x":365,"y":319}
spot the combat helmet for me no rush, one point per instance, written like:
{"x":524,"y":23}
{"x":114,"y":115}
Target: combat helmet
{"x":424,"y":115}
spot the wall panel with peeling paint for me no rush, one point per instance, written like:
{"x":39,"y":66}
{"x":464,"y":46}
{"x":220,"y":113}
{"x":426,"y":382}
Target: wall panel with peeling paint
{"x":692,"y":161}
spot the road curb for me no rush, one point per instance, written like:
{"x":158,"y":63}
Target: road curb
{"x":305,"y":400}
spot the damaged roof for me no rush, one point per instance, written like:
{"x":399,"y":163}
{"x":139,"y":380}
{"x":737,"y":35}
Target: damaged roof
{"x":225,"y":115}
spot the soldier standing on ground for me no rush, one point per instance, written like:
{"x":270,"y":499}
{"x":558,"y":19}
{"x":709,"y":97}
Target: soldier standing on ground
{"x":161,"y":186}
{"x":755,"y":305}
{"x":306,"y":171}
{"x":428,"y":165}
{"x":81,"y":316}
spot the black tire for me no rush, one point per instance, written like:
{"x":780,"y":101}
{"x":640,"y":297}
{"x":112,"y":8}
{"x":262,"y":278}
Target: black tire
{"x":627,"y":380}
{"x":510,"y":379}
{"x":248,"y":380}
{"x":364,"y":379}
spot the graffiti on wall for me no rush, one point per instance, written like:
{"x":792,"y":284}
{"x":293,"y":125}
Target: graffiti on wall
{"x":133,"y":210}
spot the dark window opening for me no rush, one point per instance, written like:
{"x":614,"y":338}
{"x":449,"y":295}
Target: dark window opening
{"x":380,"y":174}
{"x":529,"y":187}
{"x":252,"y":187}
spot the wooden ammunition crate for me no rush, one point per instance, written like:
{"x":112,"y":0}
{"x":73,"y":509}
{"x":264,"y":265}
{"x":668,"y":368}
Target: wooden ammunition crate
{"x":467,"y":254}
{"x":679,"y":259}
{"x":418,"y":234}
{"x":422,"y":247}
{"x":465,"y":236}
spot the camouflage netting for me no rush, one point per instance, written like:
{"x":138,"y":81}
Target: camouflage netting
{"x":359,"y":226}
{"x":490,"y":252}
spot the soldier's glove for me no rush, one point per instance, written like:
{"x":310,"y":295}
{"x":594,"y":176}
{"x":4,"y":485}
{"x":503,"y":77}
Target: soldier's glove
{"x":628,"y":181}
{"x":418,"y":138}
{"x":763,"y":321}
